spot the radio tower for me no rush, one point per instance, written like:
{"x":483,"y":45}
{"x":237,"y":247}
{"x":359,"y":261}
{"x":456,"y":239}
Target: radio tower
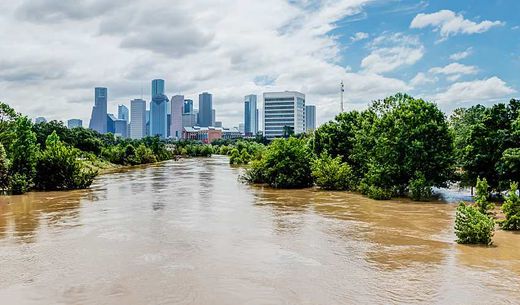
{"x":342,"y":91}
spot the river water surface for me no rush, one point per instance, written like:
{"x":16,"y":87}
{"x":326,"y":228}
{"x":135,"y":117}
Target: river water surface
{"x":187,"y":232}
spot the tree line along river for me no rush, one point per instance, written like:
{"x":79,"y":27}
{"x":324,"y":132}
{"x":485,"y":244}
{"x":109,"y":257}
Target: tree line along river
{"x":188,"y":232}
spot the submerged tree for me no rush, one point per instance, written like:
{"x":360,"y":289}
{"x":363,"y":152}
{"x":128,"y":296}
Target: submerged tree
{"x":511,"y":209}
{"x":472,"y":226}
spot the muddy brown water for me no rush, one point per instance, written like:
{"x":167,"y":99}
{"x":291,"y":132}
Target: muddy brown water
{"x":187,"y":232}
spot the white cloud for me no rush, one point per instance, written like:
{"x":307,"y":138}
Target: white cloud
{"x":462,"y":54}
{"x":390,"y":52}
{"x":422,"y":79}
{"x":359,"y":36}
{"x":454,"y":69}
{"x":449,"y":23}
{"x":490,"y":89}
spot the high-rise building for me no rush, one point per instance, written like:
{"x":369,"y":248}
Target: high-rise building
{"x":158,"y":116}
{"x":73,"y":123}
{"x":177,"y":109}
{"x":147,"y":128}
{"x":123,"y":113}
{"x":189,"y":120}
{"x":40,"y":119}
{"x":98,"y":119}
{"x":188,"y":106}
{"x":250,"y":115}
{"x":205,"y":109}
{"x":137,"y":119}
{"x":157,"y":87}
{"x":310,"y":118}
{"x":283,"y":111}
{"x":121,"y":128}
{"x":213,"y":117}
{"x":111,"y":123}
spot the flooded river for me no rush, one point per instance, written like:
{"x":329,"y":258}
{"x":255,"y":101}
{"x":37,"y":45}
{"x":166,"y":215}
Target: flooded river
{"x":188,"y":232}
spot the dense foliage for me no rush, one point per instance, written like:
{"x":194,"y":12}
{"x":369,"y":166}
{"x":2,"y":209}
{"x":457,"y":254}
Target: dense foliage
{"x":59,"y":168}
{"x":472,"y":226}
{"x":511,"y":209}
{"x":332,"y":173}
{"x":487,"y":142}
{"x":399,"y":146}
{"x":286,"y":163}
{"x":49,"y":156}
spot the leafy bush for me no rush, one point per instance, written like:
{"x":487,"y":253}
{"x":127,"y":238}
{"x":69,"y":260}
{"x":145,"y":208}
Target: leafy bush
{"x":285,"y":164}
{"x":379,"y":193}
{"x":24,"y":150}
{"x":18,"y":184}
{"x":332,"y":173}
{"x":58,"y":167}
{"x":144,"y":154}
{"x":511,"y":209}
{"x":481,"y":197}
{"x":419,"y":189}
{"x":472,"y":226}
{"x":4,"y":169}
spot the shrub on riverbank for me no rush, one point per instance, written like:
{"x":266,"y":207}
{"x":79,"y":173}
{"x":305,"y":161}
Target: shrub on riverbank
{"x":472,"y":226}
{"x":286,"y":163}
{"x":332,"y":173}
{"x":511,"y":209}
{"x":58,"y":167}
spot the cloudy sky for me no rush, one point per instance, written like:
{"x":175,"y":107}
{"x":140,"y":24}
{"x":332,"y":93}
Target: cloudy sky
{"x":457,"y":53}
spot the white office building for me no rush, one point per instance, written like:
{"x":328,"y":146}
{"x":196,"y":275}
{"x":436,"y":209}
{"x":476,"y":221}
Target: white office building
{"x":283,"y":110}
{"x":137,"y":119}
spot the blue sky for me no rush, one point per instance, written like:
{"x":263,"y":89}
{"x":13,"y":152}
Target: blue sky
{"x":456,"y":53}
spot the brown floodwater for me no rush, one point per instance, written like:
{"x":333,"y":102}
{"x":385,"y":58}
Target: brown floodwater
{"x":188,"y":232}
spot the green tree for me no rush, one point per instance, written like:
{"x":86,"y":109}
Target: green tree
{"x":511,"y":209}
{"x":286,"y":163}
{"x":8,"y":117}
{"x":24,"y":150}
{"x":482,"y":135}
{"x":408,"y":139}
{"x":482,"y":197}
{"x":472,"y":226}
{"x":4,"y":169}
{"x":58,"y":167}
{"x":332,"y":173}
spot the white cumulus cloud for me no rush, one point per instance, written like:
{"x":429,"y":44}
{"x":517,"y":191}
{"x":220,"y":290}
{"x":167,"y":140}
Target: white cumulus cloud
{"x":448,"y":23}
{"x":359,"y":36}
{"x":454,"y":68}
{"x":462,"y":54}
{"x":490,"y":89}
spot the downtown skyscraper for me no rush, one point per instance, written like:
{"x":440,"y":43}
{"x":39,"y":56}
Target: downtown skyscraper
{"x":177,"y":109}
{"x":205,"y":109}
{"x":158,"y":110}
{"x":250,"y":115}
{"x":310,"y":118}
{"x":137,"y":119}
{"x":98,"y":119}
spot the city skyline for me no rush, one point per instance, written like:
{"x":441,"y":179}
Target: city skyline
{"x":437,"y":50}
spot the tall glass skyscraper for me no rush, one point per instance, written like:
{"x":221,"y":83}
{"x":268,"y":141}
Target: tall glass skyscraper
{"x":205,"y":109}
{"x":98,"y":119}
{"x":282,"y":110}
{"x":176,"y":116}
{"x":250,"y":115}
{"x":138,"y":119}
{"x":310,"y":118}
{"x":123,"y":113}
{"x":188,"y":106}
{"x":157,"y":87}
{"x":158,"y":116}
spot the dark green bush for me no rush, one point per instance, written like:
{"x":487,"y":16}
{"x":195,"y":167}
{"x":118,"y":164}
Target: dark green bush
{"x":379,"y":193}
{"x":285,"y":164}
{"x":18,"y":184}
{"x":472,"y":226}
{"x":511,"y":209}
{"x":332,"y":173}
{"x":419,"y":189}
